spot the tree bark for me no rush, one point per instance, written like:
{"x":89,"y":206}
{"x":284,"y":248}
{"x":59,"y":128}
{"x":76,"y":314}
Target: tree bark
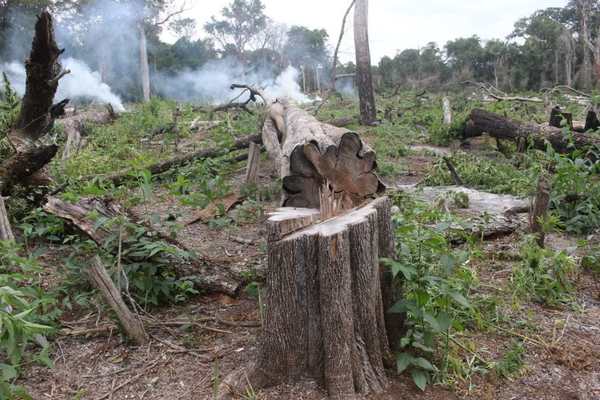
{"x":88,"y":212}
{"x":364,"y":78}
{"x":253,"y":163}
{"x":144,"y":67}
{"x":37,"y":114}
{"x":481,"y":121}
{"x":324,"y":316}
{"x":311,"y":154}
{"x":132,"y":325}
{"x":539,"y":211}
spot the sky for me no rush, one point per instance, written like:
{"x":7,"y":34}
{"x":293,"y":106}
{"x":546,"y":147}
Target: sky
{"x":394,"y":24}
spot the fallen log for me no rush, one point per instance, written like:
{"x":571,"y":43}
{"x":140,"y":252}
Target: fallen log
{"x":482,"y":121}
{"x":311,"y":154}
{"x":37,"y":113}
{"x":120,"y":177}
{"x":105,"y":222}
{"x":323,"y":315}
{"x":132,"y":325}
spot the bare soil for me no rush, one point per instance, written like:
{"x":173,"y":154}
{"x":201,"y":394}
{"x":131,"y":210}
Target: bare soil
{"x":187,"y":362}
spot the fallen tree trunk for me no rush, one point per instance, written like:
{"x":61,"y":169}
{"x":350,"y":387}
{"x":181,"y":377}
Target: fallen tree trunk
{"x":324,"y":315}
{"x":481,"y":121}
{"x":311,"y":154}
{"x":105,"y":222}
{"x":37,"y":114}
{"x":120,"y":177}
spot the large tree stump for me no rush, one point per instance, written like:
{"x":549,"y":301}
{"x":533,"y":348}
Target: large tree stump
{"x":37,"y":114}
{"x":324,"y":316}
{"x":311,"y":154}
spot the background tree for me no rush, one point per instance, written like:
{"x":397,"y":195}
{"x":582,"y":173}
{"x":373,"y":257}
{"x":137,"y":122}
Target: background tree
{"x":240,"y":23}
{"x":364,"y":79}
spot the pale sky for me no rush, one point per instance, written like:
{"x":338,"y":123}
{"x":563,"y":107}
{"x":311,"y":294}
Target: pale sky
{"x":394,"y":24}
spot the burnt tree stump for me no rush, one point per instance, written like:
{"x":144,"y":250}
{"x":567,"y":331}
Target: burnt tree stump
{"x":324,"y":306}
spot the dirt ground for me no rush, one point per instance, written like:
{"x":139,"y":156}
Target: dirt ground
{"x":187,"y":362}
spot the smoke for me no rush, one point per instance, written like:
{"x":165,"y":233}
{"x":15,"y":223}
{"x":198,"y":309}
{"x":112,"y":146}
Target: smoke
{"x":102,"y":39}
{"x":81,"y":83}
{"x":211,"y":83}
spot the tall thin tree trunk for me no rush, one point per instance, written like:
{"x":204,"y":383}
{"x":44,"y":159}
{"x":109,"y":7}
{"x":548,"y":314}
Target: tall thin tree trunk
{"x":364,"y":78}
{"x":144,"y":67}
{"x":584,"y":9}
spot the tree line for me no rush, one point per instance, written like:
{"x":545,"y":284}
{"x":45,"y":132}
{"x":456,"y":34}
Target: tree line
{"x":552,"y":46}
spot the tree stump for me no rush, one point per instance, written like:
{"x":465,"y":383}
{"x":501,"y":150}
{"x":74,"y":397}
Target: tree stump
{"x":324,"y":315}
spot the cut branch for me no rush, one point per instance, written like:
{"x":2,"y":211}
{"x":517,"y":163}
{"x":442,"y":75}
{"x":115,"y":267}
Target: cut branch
{"x":131,"y":323}
{"x":97,"y":219}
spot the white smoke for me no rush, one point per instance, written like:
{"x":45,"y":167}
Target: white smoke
{"x":82,"y":82}
{"x":211,"y":83}
{"x":286,"y":86}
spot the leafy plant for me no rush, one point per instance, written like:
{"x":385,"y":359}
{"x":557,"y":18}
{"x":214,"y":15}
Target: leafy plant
{"x":435,"y":281}
{"x":544,"y":275}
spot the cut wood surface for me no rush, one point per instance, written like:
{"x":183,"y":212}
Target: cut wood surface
{"x":481,"y":121}
{"x":323,"y":314}
{"x":95,"y":217}
{"x":132,"y":325}
{"x":310,"y":154}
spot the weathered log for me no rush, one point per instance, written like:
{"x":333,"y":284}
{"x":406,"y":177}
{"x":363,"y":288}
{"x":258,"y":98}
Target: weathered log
{"x":37,"y":114}
{"x":324,"y":316}
{"x":310,"y":154}
{"x":481,"y":121}
{"x":132,"y":325}
{"x":6,"y":233}
{"x":96,"y":218}
{"x":183,"y":159}
{"x":342,"y":122}
{"x":539,"y":211}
